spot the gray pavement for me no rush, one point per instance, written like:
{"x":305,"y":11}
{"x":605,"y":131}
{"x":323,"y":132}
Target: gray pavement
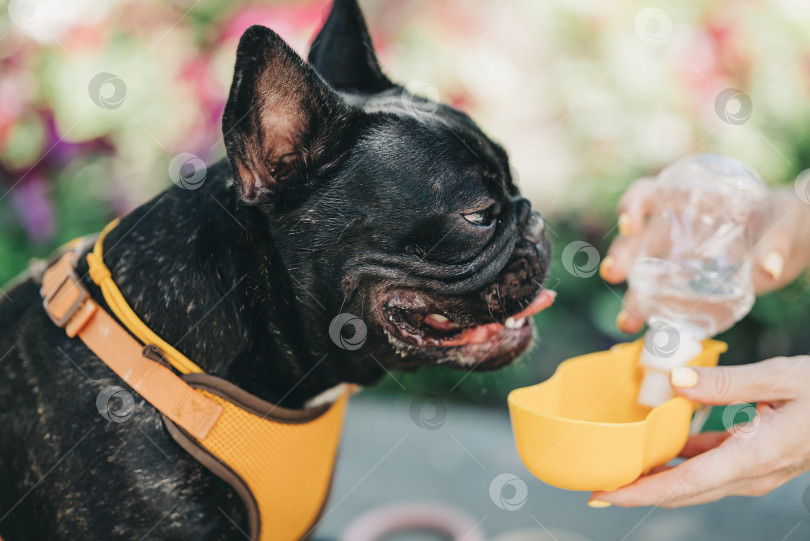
{"x":387,"y":457}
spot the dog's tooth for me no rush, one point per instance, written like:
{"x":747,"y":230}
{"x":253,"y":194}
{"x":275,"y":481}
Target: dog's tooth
{"x":464,"y":361}
{"x":512,"y":323}
{"x":439,"y":321}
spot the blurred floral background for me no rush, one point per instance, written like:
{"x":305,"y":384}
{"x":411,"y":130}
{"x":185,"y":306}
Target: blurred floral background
{"x":96,"y":98}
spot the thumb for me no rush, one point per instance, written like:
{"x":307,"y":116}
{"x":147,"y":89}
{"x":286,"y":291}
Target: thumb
{"x":774,"y":379}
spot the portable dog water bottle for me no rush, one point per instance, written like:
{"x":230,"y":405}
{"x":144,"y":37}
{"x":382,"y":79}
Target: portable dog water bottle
{"x":606,"y":418}
{"x":693,"y":276}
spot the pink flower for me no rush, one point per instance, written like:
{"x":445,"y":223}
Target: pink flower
{"x":290,"y":21}
{"x":30,"y":200}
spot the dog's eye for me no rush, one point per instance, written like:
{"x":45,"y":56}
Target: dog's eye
{"x":483,"y":218}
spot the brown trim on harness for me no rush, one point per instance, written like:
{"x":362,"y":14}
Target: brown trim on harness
{"x":256,"y":406}
{"x":252,"y":403}
{"x":221,"y":470}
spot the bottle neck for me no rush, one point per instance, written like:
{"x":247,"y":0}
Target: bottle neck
{"x":669,"y":344}
{"x":666,"y":346}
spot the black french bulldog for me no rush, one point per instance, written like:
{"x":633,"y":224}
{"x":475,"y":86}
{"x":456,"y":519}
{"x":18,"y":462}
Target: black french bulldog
{"x":342,"y":193}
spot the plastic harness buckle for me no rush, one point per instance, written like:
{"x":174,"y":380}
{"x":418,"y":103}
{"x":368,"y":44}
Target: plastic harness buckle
{"x":74,"y":316}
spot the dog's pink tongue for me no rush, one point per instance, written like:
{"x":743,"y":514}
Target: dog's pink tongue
{"x":475,"y":335}
{"x":540,"y":303}
{"x":482,"y":333}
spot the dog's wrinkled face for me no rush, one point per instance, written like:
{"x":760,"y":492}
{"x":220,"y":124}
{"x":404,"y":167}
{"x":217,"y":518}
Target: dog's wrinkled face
{"x":381,"y":205}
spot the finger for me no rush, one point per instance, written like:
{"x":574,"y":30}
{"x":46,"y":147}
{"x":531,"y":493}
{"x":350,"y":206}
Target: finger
{"x":703,"y":442}
{"x":623,"y":251}
{"x":752,"y":487}
{"x":695,"y":478}
{"x":700,"y":499}
{"x":635,"y":206}
{"x":760,"y":486}
{"x":769,"y":268}
{"x":775,"y":264}
{"x":630,"y":319}
{"x":771,"y":380}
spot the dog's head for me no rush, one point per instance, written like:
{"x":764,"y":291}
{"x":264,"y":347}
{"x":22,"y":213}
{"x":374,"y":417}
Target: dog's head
{"x":383,"y":205}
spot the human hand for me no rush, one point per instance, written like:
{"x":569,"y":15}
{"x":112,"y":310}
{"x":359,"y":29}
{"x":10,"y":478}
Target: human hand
{"x":746,"y":460}
{"x":780,"y":255}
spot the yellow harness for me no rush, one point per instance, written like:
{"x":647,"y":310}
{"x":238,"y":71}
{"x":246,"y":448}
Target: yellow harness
{"x":280,"y":461}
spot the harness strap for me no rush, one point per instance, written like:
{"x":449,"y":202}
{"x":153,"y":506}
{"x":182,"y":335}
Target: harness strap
{"x":69,"y":305}
{"x":279,"y":461}
{"x":102,"y":277}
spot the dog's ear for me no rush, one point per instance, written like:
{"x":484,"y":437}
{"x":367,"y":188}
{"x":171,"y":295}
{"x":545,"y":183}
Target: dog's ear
{"x":342,"y":51}
{"x":282,"y":122}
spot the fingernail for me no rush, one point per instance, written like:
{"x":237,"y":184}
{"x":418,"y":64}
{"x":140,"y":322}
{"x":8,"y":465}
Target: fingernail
{"x":621,"y":319}
{"x":683,"y":377}
{"x":607,"y":263}
{"x":624,"y":223}
{"x":598,"y":504}
{"x":774,"y":264}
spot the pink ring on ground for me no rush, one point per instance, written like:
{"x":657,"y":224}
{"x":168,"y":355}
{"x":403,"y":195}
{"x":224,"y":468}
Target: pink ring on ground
{"x":399,"y":517}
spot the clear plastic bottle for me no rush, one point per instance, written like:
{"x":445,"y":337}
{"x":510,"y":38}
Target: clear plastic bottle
{"x":693,"y":277}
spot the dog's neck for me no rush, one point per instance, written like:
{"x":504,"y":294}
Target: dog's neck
{"x":203,"y":273}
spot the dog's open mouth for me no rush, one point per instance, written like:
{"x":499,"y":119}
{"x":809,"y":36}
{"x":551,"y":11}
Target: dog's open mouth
{"x":415,"y":322}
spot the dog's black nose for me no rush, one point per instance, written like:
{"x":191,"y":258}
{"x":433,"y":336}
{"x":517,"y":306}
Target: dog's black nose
{"x":531,"y":223}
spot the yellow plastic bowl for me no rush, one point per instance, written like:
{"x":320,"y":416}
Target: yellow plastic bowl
{"x":583,"y":429}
